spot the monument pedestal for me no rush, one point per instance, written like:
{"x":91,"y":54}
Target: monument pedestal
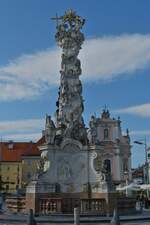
{"x":44,"y":199}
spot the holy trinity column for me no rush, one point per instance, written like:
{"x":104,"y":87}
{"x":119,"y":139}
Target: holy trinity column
{"x":70,"y":101}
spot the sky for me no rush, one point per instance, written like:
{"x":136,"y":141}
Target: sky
{"x":115,"y":60}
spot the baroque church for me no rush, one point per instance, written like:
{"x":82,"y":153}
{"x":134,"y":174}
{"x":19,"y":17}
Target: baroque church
{"x":79,"y":167}
{"x":114,"y":148}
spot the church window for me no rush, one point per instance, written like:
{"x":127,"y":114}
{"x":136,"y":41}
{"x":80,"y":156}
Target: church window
{"x":57,"y":188}
{"x":107,"y":165}
{"x":106,"y":133}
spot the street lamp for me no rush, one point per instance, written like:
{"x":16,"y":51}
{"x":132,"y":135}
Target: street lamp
{"x":143,"y":142}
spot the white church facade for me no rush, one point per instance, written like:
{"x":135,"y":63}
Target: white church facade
{"x":105,"y":135}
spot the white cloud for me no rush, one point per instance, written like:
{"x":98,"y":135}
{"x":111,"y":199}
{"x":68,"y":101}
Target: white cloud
{"x":29,"y":75}
{"x":138,"y":110}
{"x":22,"y":137}
{"x":107,"y":57}
{"x":140,"y":133}
{"x":27,"y":130}
{"x":22,"y":125}
{"x":102,"y":59}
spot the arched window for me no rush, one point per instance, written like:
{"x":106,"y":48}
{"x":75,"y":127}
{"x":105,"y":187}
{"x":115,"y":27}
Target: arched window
{"x":107,"y":165}
{"x":106,"y":133}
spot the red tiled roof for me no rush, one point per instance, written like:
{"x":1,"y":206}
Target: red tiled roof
{"x":41,"y":141}
{"x":13,"y":151}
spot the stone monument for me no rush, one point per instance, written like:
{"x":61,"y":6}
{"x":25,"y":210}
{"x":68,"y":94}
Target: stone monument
{"x":71,"y":173}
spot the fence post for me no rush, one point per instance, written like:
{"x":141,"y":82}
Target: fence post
{"x":115,"y":220}
{"x":76,"y":216}
{"x":31,"y":220}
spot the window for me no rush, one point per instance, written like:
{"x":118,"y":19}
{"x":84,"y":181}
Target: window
{"x":107,"y":165}
{"x":106,"y":133}
{"x":10,"y":145}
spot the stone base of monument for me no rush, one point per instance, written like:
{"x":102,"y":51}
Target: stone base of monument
{"x":63,"y":203}
{"x":45,"y":199}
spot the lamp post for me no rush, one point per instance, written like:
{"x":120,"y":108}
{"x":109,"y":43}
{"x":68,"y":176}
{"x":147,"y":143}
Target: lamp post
{"x":143,"y":142}
{"x":126,"y":178}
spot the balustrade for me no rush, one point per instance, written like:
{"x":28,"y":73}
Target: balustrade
{"x":50,"y":205}
{"x":55,"y":205}
{"x":93,"y":205}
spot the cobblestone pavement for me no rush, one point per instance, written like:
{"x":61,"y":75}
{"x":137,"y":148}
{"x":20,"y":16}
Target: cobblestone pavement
{"x":122,"y":223}
{"x":9,"y":219}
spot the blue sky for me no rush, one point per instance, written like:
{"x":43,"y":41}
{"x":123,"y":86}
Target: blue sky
{"x":115,"y":62}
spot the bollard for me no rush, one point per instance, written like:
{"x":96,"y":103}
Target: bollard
{"x":76,"y":216}
{"x":115,"y":220}
{"x":31,"y":220}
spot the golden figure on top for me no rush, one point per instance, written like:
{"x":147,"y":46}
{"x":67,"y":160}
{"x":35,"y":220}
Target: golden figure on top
{"x":70,"y":18}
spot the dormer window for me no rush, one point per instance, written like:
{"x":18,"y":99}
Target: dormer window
{"x":106,"y":133}
{"x":10,"y":145}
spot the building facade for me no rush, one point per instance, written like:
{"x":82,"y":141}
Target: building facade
{"x":29,"y":166}
{"x":10,"y":176}
{"x":115,"y":150}
{"x":18,"y":163}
